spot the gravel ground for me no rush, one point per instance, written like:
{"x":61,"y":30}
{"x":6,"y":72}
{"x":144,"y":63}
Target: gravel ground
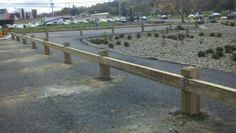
{"x":184,"y":52}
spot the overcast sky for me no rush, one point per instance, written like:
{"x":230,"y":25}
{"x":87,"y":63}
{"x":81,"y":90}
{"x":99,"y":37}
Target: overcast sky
{"x":44,"y":5}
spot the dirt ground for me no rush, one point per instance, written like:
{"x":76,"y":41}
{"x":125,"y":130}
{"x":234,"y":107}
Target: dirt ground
{"x":39,"y":93}
{"x":184,"y":52}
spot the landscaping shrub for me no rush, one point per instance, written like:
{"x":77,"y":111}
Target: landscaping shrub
{"x":181,"y":37}
{"x":121,"y":35}
{"x":215,"y":56}
{"x":116,"y":38}
{"x":118,"y":42}
{"x":165,"y":36}
{"x":201,"y":34}
{"x":138,"y":35}
{"x":209,"y":51}
{"x":156,"y":35}
{"x":234,"y":48}
{"x":213,"y":21}
{"x":228,"y":49}
{"x":149,"y":34}
{"x":219,"y":35}
{"x":129,"y":37}
{"x":220,"y":53}
{"x":232,"y":24}
{"x":97,"y":41}
{"x":173,"y":37}
{"x":234,"y":56}
{"x":201,"y":54}
{"x":111,"y":45}
{"x":179,"y":27}
{"x":105,"y":42}
{"x":126,"y":44}
{"x":227,"y":23}
{"x":212,"y":34}
{"x":220,"y":49}
{"x":191,"y":36}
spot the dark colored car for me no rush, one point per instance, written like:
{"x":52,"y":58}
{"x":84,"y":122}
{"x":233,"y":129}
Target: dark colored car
{"x":232,"y":16}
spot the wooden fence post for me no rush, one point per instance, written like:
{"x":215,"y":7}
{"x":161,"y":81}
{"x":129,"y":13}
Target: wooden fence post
{"x":46,"y":48}
{"x":33,"y":42}
{"x":104,"y":69}
{"x":67,"y":56}
{"x":47,"y":35}
{"x":113,"y":30}
{"x":190,"y":101}
{"x":81,"y":32}
{"x":24,"y":39}
{"x":12,"y":36}
{"x":17,"y":38}
{"x":142,"y":27}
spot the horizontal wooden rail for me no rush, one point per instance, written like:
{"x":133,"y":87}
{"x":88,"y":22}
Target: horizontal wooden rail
{"x":196,"y":86}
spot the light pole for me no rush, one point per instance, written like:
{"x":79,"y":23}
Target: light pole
{"x":52,"y":8}
{"x":181,"y":10}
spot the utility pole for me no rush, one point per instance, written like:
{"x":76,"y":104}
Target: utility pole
{"x":234,"y":5}
{"x":119,"y":8}
{"x":52,"y":8}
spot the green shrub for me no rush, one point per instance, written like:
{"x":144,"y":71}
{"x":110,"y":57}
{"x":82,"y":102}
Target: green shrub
{"x":215,"y":56}
{"x":118,"y":42}
{"x":227,"y":23}
{"x":212,"y":34}
{"x":220,"y":49}
{"x":201,"y":54}
{"x":126,"y":44}
{"x":138,"y":35}
{"x":181,"y":37}
{"x":234,"y":56}
{"x":179,"y":27}
{"x":228,"y":49}
{"x":234,"y":47}
{"x":201,"y":34}
{"x":111,"y":45}
{"x":156,"y":35}
{"x":213,"y":21}
{"x":209,"y":51}
{"x":219,"y":35}
{"x":149,"y":34}
{"x":191,"y":36}
{"x":121,"y":35}
{"x":220,"y":53}
{"x":116,"y":38}
{"x":232,"y":24}
{"x":173,"y":37}
{"x":129,"y":37}
{"x":105,"y":42}
{"x":97,"y":41}
{"x":163,"y":36}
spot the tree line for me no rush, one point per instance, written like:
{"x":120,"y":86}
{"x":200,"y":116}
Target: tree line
{"x":148,"y":7}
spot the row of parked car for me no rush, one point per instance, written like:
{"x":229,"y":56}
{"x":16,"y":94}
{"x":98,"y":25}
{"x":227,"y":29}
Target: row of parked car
{"x":213,"y":16}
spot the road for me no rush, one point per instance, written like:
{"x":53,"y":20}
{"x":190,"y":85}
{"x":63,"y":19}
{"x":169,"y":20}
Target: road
{"x":41,"y":94}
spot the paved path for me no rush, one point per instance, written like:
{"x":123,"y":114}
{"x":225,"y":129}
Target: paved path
{"x":39,"y":93}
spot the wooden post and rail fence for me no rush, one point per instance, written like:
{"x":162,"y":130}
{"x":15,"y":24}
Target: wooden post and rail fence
{"x":188,"y":82}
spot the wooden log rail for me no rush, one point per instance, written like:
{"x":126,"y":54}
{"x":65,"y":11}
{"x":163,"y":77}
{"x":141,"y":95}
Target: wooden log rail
{"x":188,"y":82}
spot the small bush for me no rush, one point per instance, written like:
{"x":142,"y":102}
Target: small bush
{"x":138,"y":35}
{"x":213,"y":21}
{"x":97,"y":41}
{"x":234,"y":48}
{"x":126,"y":44}
{"x":163,"y":36}
{"x":111,"y":45}
{"x":220,"y":49}
{"x":179,"y":27}
{"x":227,"y":23}
{"x":201,"y":54}
{"x":181,"y":37}
{"x":220,"y":53}
{"x":232,"y":24}
{"x":209,"y":51}
{"x":116,"y":38}
{"x":105,"y":42}
{"x":191,"y":36}
{"x":149,"y":34}
{"x":228,"y":49}
{"x":118,"y":42}
{"x":156,"y":35}
{"x":215,"y":56}
{"x":201,"y":34}
{"x":234,"y":56}
{"x":121,"y":35}
{"x":129,"y":37}
{"x":219,"y":35}
{"x":173,"y":37}
{"x":212,"y":34}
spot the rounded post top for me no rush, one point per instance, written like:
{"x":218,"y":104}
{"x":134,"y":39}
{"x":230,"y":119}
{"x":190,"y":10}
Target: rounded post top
{"x":191,"y":72}
{"x":103,"y":52}
{"x":32,"y":36}
{"x":66,"y":44}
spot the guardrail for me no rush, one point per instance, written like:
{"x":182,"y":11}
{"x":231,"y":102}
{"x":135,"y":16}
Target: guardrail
{"x":188,"y":82}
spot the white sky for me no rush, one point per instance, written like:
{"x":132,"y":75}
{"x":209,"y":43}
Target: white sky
{"x":44,"y":5}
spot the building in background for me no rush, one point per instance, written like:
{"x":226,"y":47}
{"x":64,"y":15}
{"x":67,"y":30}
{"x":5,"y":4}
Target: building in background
{"x":4,"y":15}
{"x":34,"y":13}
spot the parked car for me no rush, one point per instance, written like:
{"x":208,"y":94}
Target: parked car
{"x":214,"y":15}
{"x":123,"y":20}
{"x":163,"y":17}
{"x":144,"y":18}
{"x":232,"y":16}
